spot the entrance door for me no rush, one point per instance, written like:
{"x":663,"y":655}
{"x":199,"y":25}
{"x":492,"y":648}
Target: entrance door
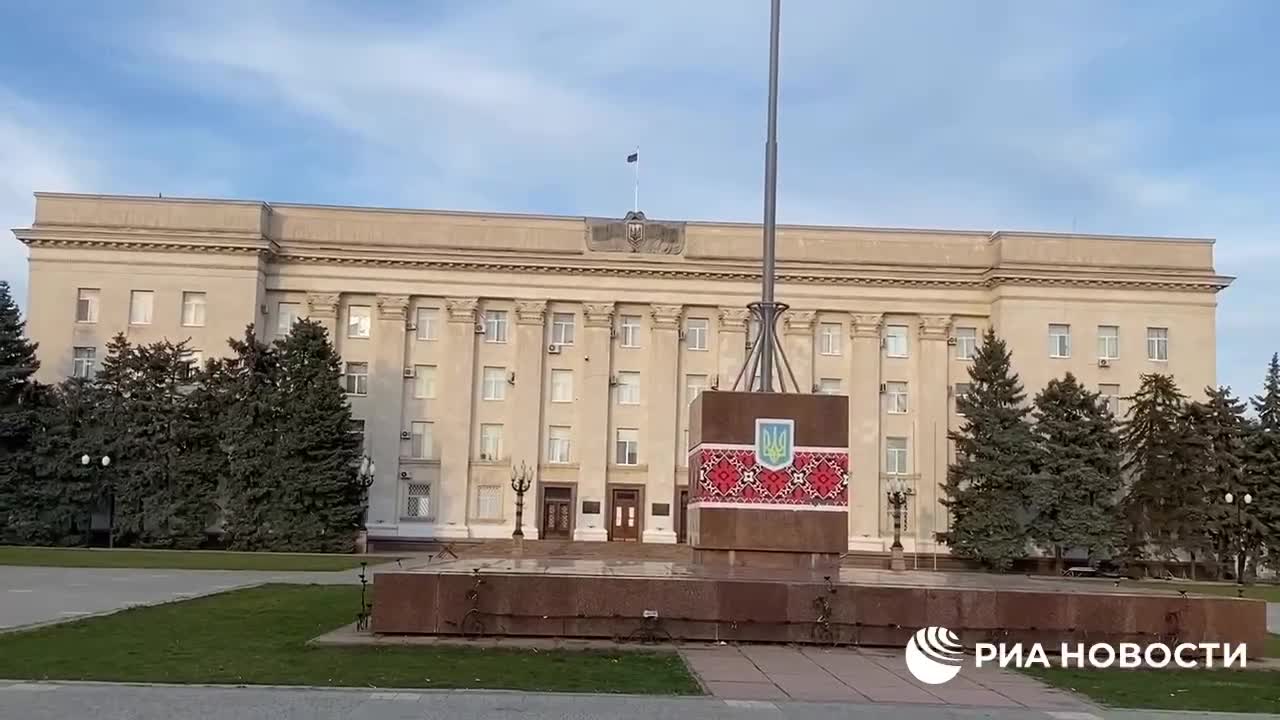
{"x":557,"y":509}
{"x":682,"y":533}
{"x":625,"y":515}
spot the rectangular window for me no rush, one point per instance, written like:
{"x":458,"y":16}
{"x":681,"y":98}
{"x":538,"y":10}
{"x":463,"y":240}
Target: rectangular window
{"x":895,"y":340}
{"x":359,"y":321}
{"x":961,"y":390}
{"x":561,"y":328}
{"x":1108,"y":342}
{"x":896,"y":398}
{"x":558,"y":442}
{"x":83,"y":360}
{"x":628,"y":447}
{"x":489,"y":502}
{"x":628,"y":388}
{"x":424,"y":382}
{"x":494,"y":385}
{"x":495,"y":326}
{"x":418,"y":504}
{"x":630,"y":328}
{"x":829,"y":386}
{"x":829,"y":338}
{"x":193,"y":306}
{"x":1157,"y":343}
{"x":1110,"y":397}
{"x":966,"y":343}
{"x":491,"y":442}
{"x":693,"y":386}
{"x":287,"y":313}
{"x":424,"y":323}
{"x":695,"y":333}
{"x":895,"y":456}
{"x":87,"y":305}
{"x":141,"y":303}
{"x":195,"y":362}
{"x":357,"y":378}
{"x":1059,"y":341}
{"x":421,"y":441}
{"x":562,"y":386}
{"x":357,"y":429}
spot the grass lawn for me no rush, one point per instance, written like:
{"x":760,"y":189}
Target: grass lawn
{"x":179,"y":559}
{"x":1256,"y":691}
{"x":258,"y":636}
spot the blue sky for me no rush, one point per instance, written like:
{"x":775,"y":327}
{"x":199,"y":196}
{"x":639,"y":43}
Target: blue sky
{"x":1134,"y":117}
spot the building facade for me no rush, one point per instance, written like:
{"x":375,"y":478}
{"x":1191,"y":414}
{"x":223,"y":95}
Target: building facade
{"x":474,"y":343}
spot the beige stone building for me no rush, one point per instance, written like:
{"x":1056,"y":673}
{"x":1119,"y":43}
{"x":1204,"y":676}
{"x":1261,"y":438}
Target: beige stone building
{"x":474,"y":342}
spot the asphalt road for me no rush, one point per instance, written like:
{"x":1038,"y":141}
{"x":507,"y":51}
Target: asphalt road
{"x":38,"y":595}
{"x":124,"y":702}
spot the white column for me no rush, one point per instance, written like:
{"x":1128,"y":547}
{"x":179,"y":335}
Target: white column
{"x":386,"y":393}
{"x":930,"y":396}
{"x":595,"y":441}
{"x":864,"y":433}
{"x":662,"y":389}
{"x":733,"y":342}
{"x":323,"y":308}
{"x":456,"y":373}
{"x":527,"y":427}
{"x":798,"y":339}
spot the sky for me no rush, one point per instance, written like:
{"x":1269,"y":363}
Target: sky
{"x":1141,"y":117}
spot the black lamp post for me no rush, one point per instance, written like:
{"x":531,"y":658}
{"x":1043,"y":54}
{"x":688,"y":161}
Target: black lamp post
{"x":364,"y":476}
{"x":521,"y":481}
{"x":1240,"y":503}
{"x":897,"y":495}
{"x":85,"y":461}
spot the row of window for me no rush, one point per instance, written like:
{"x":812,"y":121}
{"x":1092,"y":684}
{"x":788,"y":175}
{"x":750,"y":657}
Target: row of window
{"x":559,"y":443}
{"x":141,"y":307}
{"x":1108,"y":342}
{"x":84,"y":361}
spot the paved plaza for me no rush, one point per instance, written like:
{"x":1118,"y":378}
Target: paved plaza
{"x":1273,"y":618}
{"x":40,"y":595}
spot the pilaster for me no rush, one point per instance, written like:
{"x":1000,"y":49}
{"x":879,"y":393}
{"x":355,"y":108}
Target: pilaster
{"x":594,"y":434}
{"x":733,"y":344}
{"x":662,"y":387}
{"x":864,"y":431}
{"x":931,"y":439}
{"x":323,"y":308}
{"x":386,"y":393}
{"x":455,"y":380}
{"x":798,"y":341}
{"x":526,"y":438}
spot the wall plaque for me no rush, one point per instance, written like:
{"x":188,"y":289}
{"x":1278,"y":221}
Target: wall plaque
{"x":590,"y":507}
{"x":661,"y":509}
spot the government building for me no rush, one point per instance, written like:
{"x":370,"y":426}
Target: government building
{"x":475,"y":343}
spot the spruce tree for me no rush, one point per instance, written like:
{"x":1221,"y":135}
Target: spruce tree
{"x":17,"y":364}
{"x":1262,"y":460}
{"x":63,"y":493}
{"x":986,"y":488}
{"x":317,"y":454}
{"x":1152,"y":439}
{"x":1073,"y":493}
{"x":1213,"y":464}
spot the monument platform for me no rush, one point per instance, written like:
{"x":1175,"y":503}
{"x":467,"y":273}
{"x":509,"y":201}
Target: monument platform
{"x":645,"y":600}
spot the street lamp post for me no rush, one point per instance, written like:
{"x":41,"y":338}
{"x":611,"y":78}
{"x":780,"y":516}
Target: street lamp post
{"x":521,"y":481}
{"x":365,"y":475}
{"x":1244,"y":500}
{"x":85,"y":460}
{"x":897,"y":495}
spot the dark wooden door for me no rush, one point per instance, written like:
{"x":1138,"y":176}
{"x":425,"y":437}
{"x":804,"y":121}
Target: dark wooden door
{"x":624,"y":515}
{"x":557,"y":512}
{"x":682,"y":533}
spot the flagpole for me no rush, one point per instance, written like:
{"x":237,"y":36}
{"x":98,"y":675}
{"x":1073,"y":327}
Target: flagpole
{"x":635,"y":203}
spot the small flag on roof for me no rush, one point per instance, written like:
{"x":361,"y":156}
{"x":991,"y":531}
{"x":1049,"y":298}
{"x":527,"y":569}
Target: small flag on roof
{"x":633,"y":157}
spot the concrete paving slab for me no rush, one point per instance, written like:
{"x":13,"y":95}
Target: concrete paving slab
{"x":744,"y":690}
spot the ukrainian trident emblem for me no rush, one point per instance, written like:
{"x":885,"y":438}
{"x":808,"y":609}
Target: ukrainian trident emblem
{"x":775,"y":443}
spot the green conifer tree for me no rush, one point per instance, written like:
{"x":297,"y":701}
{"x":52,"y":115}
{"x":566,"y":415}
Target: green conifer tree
{"x":986,"y":488}
{"x":18,"y":397}
{"x":1152,"y":439}
{"x":1262,"y":461}
{"x":1073,"y":493}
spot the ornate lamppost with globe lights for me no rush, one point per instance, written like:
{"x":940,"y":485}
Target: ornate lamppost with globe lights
{"x":365,"y":475}
{"x":521,"y":481}
{"x":897,"y":495}
{"x":1240,"y":502}
{"x":103,"y":464}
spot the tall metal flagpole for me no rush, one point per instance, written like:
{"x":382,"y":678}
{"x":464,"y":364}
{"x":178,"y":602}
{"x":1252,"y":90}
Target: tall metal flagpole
{"x":770,"y":208}
{"x":635,"y":203}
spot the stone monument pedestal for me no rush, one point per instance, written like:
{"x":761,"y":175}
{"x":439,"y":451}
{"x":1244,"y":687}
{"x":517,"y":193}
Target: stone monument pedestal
{"x":768,"y":479}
